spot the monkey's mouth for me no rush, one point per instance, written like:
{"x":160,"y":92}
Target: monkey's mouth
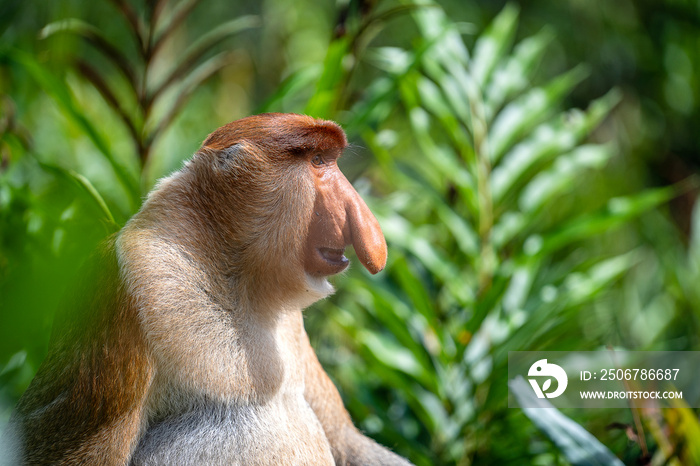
{"x":335,"y":258}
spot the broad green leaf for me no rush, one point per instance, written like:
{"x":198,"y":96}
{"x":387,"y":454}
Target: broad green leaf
{"x":464,"y":235}
{"x":433,"y":410}
{"x":392,"y":355}
{"x":583,"y":287}
{"x":437,"y":30}
{"x":160,"y":120}
{"x":382,"y":98}
{"x":546,"y":186}
{"x":396,"y":315}
{"x":445,"y":165}
{"x":459,"y":227}
{"x":508,"y":226}
{"x":437,"y":103}
{"x":166,"y":24}
{"x":393,"y":60}
{"x":400,"y":234}
{"x":453,"y":93}
{"x":415,"y":290}
{"x":694,"y":243}
{"x":519,"y":287}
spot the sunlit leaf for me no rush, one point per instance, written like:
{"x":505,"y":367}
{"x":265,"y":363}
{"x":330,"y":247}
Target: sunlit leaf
{"x":525,"y":113}
{"x":326,"y":93}
{"x":494,"y":43}
{"x":515,"y":72}
{"x":548,"y":141}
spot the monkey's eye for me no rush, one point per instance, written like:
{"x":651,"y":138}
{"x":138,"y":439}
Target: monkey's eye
{"x":317,"y":160}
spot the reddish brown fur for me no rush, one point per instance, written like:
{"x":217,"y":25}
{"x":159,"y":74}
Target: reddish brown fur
{"x":280,"y":132}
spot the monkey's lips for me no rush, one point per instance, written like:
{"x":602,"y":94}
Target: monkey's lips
{"x":334,"y":258}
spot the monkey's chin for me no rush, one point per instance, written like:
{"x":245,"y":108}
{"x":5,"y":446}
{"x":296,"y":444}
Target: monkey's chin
{"x":317,"y":288}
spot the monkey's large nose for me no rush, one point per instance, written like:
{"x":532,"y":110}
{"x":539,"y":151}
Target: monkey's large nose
{"x":366,"y":235}
{"x":341,"y":218}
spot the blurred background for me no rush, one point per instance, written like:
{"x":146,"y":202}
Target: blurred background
{"x":533,"y":166}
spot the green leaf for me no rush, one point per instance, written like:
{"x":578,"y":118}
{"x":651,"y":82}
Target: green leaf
{"x":443,"y":36}
{"x":515,"y":72}
{"x":583,"y":287}
{"x":201,"y":47}
{"x":396,"y":316}
{"x":694,"y":241}
{"x":155,"y":127}
{"x":546,"y":186}
{"x":87,"y":188}
{"x":63,"y":97}
{"x":617,"y":212}
{"x":291,"y":87}
{"x":549,"y":184}
{"x":328,"y":89}
{"x":415,"y":290}
{"x":547,"y":142}
{"x":520,"y":116}
{"x":445,"y":165}
{"x":435,"y":100}
{"x":493,"y":43}
{"x":394,"y":60}
{"x":399,"y":233}
{"x":177,"y":14}
{"x":95,"y":37}
{"x":392,"y":355}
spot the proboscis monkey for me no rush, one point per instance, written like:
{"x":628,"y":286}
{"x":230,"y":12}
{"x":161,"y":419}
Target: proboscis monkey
{"x":188,"y":346}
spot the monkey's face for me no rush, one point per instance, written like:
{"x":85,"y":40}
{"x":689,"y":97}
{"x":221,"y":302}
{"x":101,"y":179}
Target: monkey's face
{"x":281,"y":172}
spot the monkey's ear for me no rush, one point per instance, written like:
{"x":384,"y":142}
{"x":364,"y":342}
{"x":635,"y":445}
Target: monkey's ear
{"x":226,"y":158}
{"x":230,"y":153}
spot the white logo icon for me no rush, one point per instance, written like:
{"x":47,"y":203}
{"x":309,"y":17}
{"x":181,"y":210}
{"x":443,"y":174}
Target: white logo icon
{"x":543,"y":369}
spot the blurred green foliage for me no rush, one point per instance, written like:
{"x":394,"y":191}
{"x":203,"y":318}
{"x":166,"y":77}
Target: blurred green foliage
{"x":529,"y":164}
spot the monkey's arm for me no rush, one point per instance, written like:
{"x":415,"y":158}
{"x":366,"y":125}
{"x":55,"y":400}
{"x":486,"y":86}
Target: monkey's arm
{"x":349,"y":446}
{"x":87,"y":401}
